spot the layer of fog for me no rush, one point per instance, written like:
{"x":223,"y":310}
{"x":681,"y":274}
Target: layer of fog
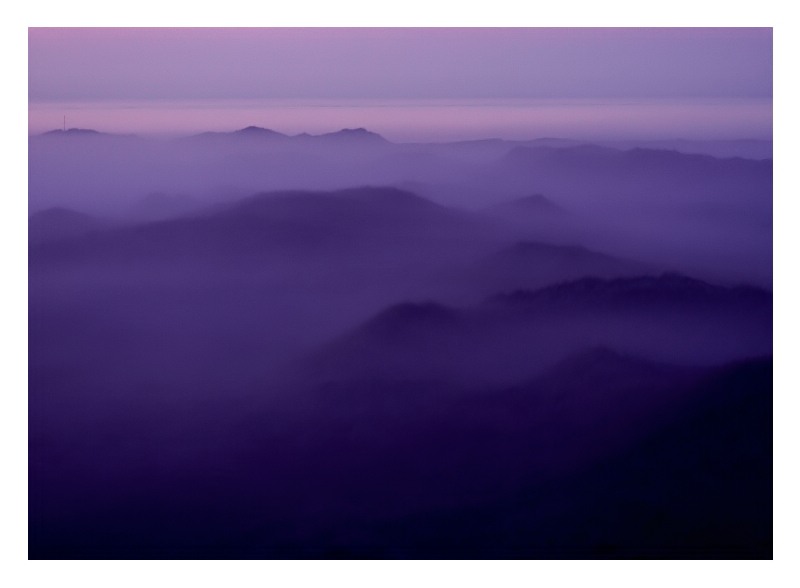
{"x":708,"y":215}
{"x":254,"y":318}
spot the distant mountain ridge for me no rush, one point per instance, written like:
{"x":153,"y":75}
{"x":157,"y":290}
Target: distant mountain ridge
{"x":351,"y":135}
{"x":755,"y":149}
{"x":639,"y":159}
{"x":510,"y":334}
{"x":298,"y":221}
{"x":75,"y":131}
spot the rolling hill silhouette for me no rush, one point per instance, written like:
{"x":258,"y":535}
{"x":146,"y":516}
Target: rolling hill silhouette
{"x":300,"y":221}
{"x":513,"y":335}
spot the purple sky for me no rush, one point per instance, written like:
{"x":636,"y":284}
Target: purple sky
{"x":93,"y":67}
{"x":398,"y":63}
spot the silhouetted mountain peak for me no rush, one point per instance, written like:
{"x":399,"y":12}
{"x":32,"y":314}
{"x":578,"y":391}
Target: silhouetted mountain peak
{"x":358,"y":134}
{"x":71,"y":132}
{"x":254,"y":131}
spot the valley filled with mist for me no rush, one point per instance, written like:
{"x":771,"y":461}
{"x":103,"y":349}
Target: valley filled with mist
{"x":253,"y":345}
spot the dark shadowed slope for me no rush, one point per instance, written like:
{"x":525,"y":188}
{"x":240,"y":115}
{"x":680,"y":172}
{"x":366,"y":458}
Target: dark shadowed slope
{"x":700,"y":486}
{"x":585,"y":405}
{"x":651,"y":460}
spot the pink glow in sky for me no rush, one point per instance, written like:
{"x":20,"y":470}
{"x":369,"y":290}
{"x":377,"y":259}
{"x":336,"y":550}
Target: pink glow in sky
{"x":174,"y":80}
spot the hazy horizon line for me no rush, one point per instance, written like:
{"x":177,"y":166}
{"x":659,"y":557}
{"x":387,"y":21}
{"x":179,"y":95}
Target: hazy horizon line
{"x":290,"y":135}
{"x":424,"y":120}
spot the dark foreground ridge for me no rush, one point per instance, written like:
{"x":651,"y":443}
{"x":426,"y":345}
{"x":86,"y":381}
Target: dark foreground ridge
{"x":401,"y":471}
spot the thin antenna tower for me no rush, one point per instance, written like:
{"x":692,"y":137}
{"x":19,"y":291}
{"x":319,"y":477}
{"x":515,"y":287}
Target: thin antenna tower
{"x":65,"y":123}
